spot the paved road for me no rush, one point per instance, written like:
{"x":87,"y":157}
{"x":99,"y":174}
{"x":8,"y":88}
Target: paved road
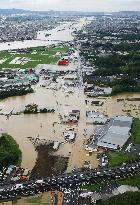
{"x":67,"y":181}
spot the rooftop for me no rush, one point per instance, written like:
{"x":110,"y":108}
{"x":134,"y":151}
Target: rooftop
{"x":116,"y":133}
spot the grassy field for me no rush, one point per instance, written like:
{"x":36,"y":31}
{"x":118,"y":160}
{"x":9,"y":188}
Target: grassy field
{"x":36,"y":55}
{"x":136,"y":131}
{"x":37,"y":200}
{"x":133,"y":181}
{"x":92,"y":187}
{"x":116,"y":158}
{"x":128,"y":198}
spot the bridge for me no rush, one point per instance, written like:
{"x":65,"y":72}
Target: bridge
{"x":61,"y":41}
{"x":69,"y":180}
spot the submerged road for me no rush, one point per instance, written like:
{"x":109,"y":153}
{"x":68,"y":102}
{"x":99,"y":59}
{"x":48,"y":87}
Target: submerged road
{"x":69,"y":180}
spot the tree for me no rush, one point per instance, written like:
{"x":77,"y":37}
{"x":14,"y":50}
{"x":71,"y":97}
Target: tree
{"x":9,"y":151}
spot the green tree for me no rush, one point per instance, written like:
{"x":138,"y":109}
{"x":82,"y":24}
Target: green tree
{"x":9,"y":151}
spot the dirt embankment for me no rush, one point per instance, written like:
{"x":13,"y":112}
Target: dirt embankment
{"x":48,"y":164}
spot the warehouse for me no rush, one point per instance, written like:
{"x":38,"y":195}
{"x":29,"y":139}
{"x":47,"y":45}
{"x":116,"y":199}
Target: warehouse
{"x":116,"y":134}
{"x":113,"y":135}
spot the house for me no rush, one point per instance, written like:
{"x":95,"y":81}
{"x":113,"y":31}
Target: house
{"x":96,"y":197}
{"x":56,"y":145}
{"x":57,"y":198}
{"x":63,"y":62}
{"x":124,"y":188}
{"x":93,"y":197}
{"x":69,"y":135}
{"x":26,"y":172}
{"x":94,"y":117}
{"x":75,"y":114}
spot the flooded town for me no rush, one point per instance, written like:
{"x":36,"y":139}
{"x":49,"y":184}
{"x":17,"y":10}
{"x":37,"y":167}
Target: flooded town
{"x":69,"y":107}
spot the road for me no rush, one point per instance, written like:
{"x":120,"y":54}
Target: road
{"x":67,"y":181}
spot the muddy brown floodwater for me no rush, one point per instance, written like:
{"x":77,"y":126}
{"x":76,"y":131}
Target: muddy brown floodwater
{"x":41,"y":125}
{"x":23,"y":126}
